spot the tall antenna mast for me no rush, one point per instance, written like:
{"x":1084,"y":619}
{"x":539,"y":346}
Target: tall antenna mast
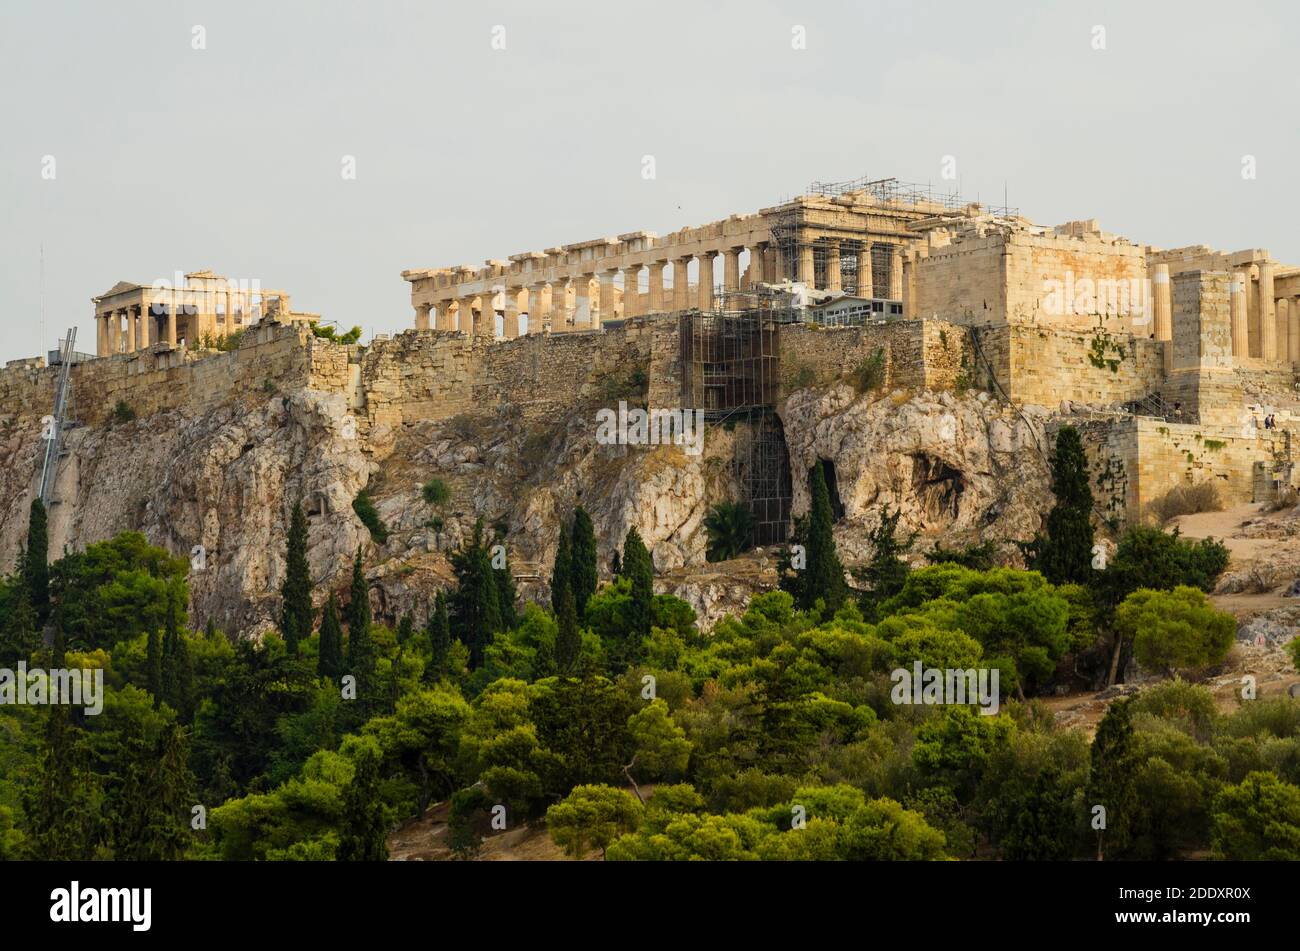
{"x":41,"y":349}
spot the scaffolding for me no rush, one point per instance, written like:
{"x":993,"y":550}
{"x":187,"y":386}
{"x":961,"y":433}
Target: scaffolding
{"x":59,"y":419}
{"x":730,"y":363}
{"x":790,"y":218}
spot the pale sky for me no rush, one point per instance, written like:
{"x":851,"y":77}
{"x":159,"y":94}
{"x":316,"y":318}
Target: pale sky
{"x":169,"y":158}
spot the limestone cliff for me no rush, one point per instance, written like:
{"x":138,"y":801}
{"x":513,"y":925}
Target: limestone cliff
{"x":226,"y":478}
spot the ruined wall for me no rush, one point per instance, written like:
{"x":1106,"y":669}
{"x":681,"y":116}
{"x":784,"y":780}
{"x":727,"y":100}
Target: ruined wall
{"x":1044,"y":280}
{"x":919,"y":354}
{"x":270,"y":359}
{"x":1040,"y":366}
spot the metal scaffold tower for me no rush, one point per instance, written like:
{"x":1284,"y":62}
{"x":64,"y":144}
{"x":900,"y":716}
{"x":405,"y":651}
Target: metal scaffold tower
{"x":57,"y":422}
{"x":731,"y":371}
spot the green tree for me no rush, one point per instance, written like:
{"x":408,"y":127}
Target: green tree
{"x":503,"y":577}
{"x":37,"y":569}
{"x":364,"y":506}
{"x":824,"y":574}
{"x":582,"y":566}
{"x":730,"y":527}
{"x":476,"y":605}
{"x":886,"y":573}
{"x":154,"y":667}
{"x":562,"y":570}
{"x":297,"y":613}
{"x":329,"y":658}
{"x":1065,"y":554}
{"x":638,"y":566}
{"x":177,"y":681}
{"x":62,"y":801}
{"x":1257,"y":820}
{"x":364,"y":827}
{"x":438,"y":627}
{"x":361,"y":646}
{"x":1111,"y":780}
{"x":568,"y":639}
{"x":1174,"y":630}
{"x":20,"y":633}
{"x":591,"y":817}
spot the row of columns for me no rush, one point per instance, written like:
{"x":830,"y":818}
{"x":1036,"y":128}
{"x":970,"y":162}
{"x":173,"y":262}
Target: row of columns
{"x":130,"y":328}
{"x":548,"y":302}
{"x":1279,"y":318}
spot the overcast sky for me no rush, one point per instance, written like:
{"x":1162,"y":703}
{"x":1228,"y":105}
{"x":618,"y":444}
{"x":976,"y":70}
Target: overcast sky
{"x":168,"y":157}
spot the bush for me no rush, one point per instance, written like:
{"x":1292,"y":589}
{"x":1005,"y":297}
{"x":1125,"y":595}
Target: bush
{"x":435,"y":492}
{"x":122,"y":413}
{"x":731,"y":530}
{"x":1175,"y":630}
{"x":870,"y":373}
{"x":369,"y":516}
{"x":1185,"y":500}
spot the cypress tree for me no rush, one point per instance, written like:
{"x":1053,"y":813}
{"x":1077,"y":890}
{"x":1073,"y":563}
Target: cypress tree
{"x":177,"y":679}
{"x":296,"y":617}
{"x":639,"y":567}
{"x":1111,"y":782}
{"x":405,"y":628}
{"x":363,"y":823}
{"x":19,"y":634}
{"x":568,"y":642}
{"x":1065,"y":555}
{"x":504,"y":580}
{"x":361,"y":649}
{"x":562,"y":573}
{"x":61,"y":804}
{"x":329,"y":660}
{"x":154,"y":667}
{"x":582,"y":566}
{"x":825,"y":573}
{"x":439,"y":629}
{"x":37,"y":568}
{"x":476,"y":604}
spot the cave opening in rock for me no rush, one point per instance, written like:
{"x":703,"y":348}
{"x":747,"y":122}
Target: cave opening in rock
{"x":938,"y":487}
{"x":832,"y":488}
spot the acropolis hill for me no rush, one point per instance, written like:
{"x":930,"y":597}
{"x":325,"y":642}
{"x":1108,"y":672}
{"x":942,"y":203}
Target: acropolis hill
{"x":988,"y":332}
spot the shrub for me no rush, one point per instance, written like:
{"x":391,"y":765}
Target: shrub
{"x":870,"y":373}
{"x":435,"y":492}
{"x":731,"y":528}
{"x":369,"y":516}
{"x":122,"y":413}
{"x":1185,"y":500}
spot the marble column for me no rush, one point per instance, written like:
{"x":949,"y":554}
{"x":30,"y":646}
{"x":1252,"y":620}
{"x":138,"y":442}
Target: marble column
{"x":833,"y":279}
{"x":704,"y":286}
{"x":606,"y":310}
{"x":1267,"y":313}
{"x":1284,"y":342}
{"x":655,"y":290}
{"x":421,"y":316}
{"x":583,"y":311}
{"x":561,"y":316}
{"x":537,"y":314}
{"x":682,"y":283}
{"x":101,"y":335}
{"x":1293,"y":334}
{"x":864,"y":269}
{"x":895,"y":272}
{"x":114,"y":332}
{"x":1237,"y":309}
{"x":807,"y":271}
{"x":510,"y":314}
{"x":909,"y":295}
{"x":731,"y":268}
{"x":171,"y":327}
{"x":130,"y":330}
{"x":1162,"y":304}
{"x":632,"y":291}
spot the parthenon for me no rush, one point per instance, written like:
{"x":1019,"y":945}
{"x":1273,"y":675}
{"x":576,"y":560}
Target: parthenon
{"x":937,"y":255}
{"x":858,"y":239}
{"x":196,"y":309}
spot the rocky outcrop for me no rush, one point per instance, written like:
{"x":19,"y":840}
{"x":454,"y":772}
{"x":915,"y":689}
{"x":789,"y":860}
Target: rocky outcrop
{"x":960,"y":469}
{"x":226,"y":479}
